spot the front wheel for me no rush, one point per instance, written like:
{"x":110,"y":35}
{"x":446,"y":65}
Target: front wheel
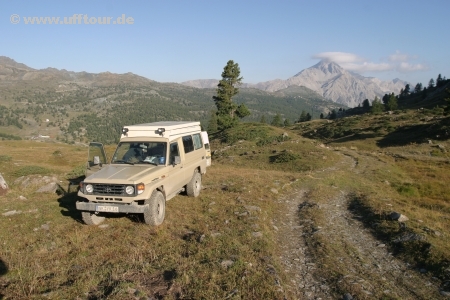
{"x":91,"y":218}
{"x":155,"y":212}
{"x":195,"y":185}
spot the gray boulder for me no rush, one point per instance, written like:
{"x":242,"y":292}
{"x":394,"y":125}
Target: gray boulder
{"x":51,"y":187}
{"x":398,"y":217}
{"x":3,"y":186}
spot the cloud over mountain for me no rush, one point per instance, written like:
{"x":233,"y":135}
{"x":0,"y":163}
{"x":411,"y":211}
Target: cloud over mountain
{"x":401,"y":62}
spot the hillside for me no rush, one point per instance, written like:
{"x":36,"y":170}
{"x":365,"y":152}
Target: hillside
{"x":79,"y":107}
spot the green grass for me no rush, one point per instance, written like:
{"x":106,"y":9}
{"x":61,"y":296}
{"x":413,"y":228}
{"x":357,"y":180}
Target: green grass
{"x":4,"y":158}
{"x":31,"y":170}
{"x":78,"y":171}
{"x":407,"y":190}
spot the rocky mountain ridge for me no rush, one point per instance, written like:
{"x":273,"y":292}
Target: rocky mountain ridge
{"x":327,"y":79}
{"x":12,"y":71}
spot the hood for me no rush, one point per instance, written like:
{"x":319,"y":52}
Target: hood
{"x":122,"y":174}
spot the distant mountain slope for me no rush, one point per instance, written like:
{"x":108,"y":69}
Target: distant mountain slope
{"x":81,"y":106}
{"x":202,"y":83}
{"x":330,"y":81}
{"x":10,"y":70}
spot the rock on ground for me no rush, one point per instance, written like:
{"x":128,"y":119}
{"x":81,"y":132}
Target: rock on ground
{"x":3,"y":186}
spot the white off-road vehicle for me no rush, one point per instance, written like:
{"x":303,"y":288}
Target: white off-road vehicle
{"x":152,"y":163}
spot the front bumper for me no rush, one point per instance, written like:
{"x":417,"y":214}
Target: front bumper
{"x":122,"y":208}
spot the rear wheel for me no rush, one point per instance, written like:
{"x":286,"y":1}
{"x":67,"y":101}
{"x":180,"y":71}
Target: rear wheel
{"x":195,"y":185}
{"x":156,"y":210}
{"x":91,"y":218}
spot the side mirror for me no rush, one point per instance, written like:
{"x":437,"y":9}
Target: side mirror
{"x":177,"y":160}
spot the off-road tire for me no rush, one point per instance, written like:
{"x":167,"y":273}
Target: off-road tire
{"x":91,"y":218}
{"x":156,"y":210}
{"x":194,"y":186}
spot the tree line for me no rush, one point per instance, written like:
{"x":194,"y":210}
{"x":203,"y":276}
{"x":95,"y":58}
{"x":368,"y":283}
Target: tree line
{"x":390,"y":102}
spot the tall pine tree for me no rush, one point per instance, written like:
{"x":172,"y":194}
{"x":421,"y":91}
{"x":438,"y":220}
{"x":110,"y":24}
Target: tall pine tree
{"x":228,"y":113}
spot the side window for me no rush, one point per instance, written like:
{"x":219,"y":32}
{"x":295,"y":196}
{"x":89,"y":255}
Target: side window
{"x":173,"y":152}
{"x":197,"y":141}
{"x":188,"y":144}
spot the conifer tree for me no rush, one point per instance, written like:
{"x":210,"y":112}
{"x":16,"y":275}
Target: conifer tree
{"x":276,"y":121}
{"x":418,"y":88}
{"x":228,"y":113}
{"x":392,"y":103}
{"x":377,"y":107}
{"x":439,"y":80}
{"x":212,"y":124}
{"x":302,"y":117}
{"x":431,"y":83}
{"x":366,"y":104}
{"x":333,"y":114}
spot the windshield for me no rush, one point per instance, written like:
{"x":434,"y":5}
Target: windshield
{"x":140,"y":153}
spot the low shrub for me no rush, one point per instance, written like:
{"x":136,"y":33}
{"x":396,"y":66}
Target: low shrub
{"x":78,"y":171}
{"x":284,"y":157}
{"x":5,"y":158}
{"x":407,"y":189}
{"x":31,"y":170}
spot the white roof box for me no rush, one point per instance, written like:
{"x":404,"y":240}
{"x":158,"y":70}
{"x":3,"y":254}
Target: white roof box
{"x":168,"y":129}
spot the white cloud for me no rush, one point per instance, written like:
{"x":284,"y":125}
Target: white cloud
{"x":352,"y":62}
{"x":400,"y":57}
{"x":406,"y":67}
{"x":339,"y":57}
{"x":368,"y":67}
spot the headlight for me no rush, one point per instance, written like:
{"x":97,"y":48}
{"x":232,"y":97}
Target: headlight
{"x":89,"y":188}
{"x":129,"y":190}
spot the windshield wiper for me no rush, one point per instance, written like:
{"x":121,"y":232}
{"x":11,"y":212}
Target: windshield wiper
{"x":124,"y":162}
{"x":148,"y":162}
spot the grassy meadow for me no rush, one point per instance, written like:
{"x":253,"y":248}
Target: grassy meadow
{"x":223,"y":244}
{"x":220,"y":244}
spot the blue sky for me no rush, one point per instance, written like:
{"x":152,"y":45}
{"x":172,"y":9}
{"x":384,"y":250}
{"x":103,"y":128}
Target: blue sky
{"x":175,"y":41}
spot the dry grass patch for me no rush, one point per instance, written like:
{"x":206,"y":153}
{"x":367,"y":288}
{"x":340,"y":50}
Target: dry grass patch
{"x":219,"y":245}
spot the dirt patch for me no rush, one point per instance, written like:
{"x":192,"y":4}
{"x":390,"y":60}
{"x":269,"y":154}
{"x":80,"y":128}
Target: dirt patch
{"x":139,"y":286}
{"x":328,"y":253}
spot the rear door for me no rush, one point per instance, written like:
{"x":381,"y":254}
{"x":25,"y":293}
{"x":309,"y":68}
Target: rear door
{"x":176,"y":173}
{"x":207,"y":147}
{"x":192,"y":160}
{"x":96,"y":158}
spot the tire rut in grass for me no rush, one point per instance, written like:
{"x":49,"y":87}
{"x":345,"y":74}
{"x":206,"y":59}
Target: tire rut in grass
{"x":327,"y":253}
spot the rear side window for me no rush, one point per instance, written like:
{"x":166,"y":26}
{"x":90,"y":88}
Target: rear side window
{"x":197,"y":141}
{"x":188,"y":144}
{"x":173,"y":152}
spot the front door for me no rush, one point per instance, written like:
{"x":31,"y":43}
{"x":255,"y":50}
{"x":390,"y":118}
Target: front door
{"x":96,"y":158}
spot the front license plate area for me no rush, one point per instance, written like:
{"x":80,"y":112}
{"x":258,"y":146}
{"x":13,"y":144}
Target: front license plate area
{"x":103,"y":208}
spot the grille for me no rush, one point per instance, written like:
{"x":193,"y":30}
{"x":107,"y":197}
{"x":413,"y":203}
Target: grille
{"x":109,"y":189}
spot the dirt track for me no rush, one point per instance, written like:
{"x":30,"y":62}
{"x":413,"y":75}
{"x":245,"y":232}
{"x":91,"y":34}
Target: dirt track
{"x":371,"y":272}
